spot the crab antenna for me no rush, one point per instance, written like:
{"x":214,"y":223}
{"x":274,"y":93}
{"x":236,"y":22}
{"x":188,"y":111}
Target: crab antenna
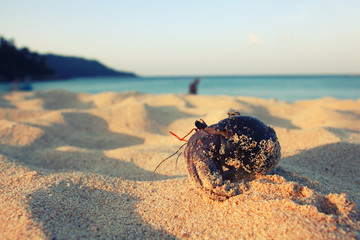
{"x":183,"y":138}
{"x":177,"y":158}
{"x":169,"y":157}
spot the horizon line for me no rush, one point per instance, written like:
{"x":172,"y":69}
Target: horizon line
{"x":257,"y":75}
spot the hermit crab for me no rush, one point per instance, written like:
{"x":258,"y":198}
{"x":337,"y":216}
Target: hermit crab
{"x":220,"y":156}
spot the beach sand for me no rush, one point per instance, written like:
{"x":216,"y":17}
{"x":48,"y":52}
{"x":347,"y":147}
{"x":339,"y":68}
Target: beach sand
{"x":80,"y":166}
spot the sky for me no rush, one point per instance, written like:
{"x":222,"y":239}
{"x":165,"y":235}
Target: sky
{"x":193,"y":37}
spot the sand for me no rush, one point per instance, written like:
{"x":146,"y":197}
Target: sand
{"x":80,"y":166}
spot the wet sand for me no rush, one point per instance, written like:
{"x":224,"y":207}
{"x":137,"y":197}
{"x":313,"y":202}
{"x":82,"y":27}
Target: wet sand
{"x":79,"y":166}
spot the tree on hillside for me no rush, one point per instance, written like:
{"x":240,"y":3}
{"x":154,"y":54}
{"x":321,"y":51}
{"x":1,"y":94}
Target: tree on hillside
{"x":20,"y":63}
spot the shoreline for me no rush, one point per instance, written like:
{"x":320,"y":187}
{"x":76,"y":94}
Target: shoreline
{"x":283,"y":89}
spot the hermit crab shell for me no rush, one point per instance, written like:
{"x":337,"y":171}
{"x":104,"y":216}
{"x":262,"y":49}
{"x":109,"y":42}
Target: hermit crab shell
{"x":236,"y":148}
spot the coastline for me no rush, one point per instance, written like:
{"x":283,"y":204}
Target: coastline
{"x":284,"y":88}
{"x":78,"y":165}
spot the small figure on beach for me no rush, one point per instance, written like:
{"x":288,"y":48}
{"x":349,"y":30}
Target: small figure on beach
{"x":193,"y":86}
{"x":237,"y":148}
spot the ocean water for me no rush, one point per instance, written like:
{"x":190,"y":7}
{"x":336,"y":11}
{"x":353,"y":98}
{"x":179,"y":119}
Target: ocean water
{"x":288,"y":88}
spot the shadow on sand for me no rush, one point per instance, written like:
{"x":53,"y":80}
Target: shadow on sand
{"x":75,"y":211}
{"x":55,"y":100}
{"x":332,"y":168}
{"x":79,"y":145}
{"x":5,"y":103}
{"x":263,"y":114}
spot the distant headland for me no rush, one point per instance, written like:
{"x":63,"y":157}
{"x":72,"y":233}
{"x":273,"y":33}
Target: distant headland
{"x":17,"y":64}
{"x":70,"y":67}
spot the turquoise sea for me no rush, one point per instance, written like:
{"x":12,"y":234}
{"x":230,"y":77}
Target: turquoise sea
{"x":289,"y":88}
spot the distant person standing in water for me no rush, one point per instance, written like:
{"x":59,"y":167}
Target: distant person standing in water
{"x":193,"y":86}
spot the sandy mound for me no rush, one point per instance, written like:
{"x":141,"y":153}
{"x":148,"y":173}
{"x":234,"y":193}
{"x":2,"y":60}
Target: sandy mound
{"x":79,"y":166}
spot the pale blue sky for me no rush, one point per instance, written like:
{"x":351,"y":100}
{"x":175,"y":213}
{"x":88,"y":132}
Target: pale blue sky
{"x":193,"y":37}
